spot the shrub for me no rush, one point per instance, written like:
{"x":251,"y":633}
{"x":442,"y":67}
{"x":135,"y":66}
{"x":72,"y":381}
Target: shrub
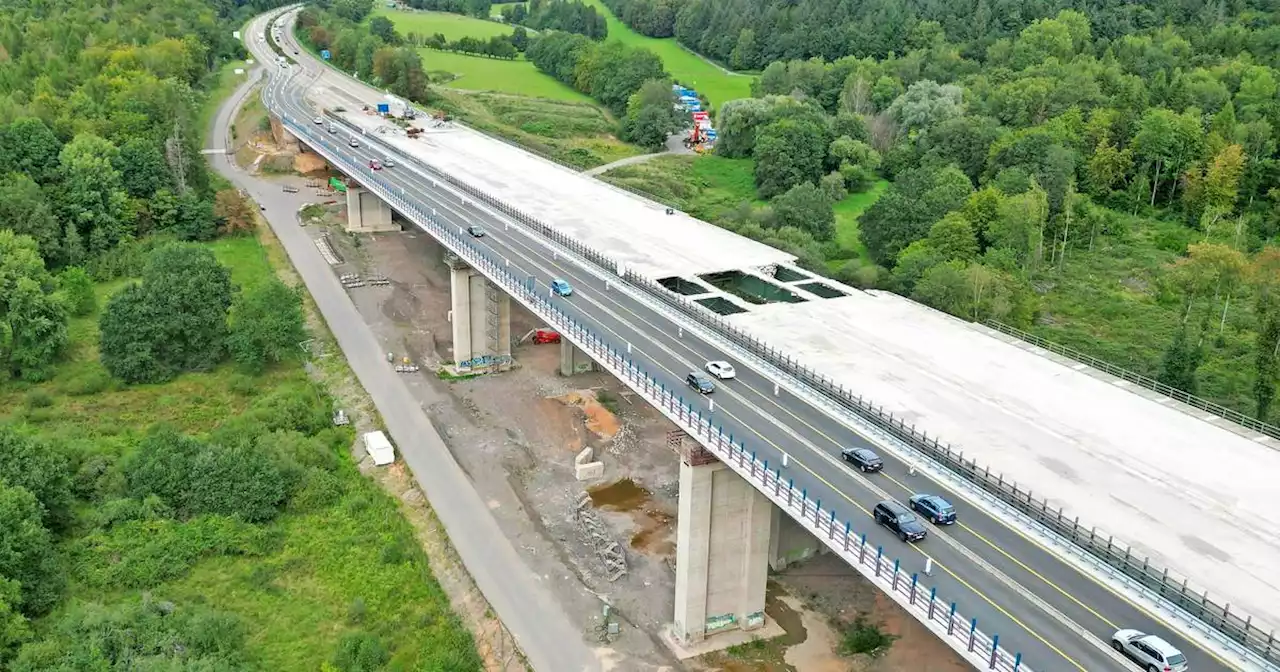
{"x":360,"y":652}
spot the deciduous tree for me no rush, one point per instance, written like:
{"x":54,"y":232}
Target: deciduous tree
{"x":266,"y":325}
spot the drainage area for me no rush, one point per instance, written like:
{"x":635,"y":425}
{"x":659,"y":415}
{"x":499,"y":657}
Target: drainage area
{"x":681,"y":286}
{"x":784,"y":274}
{"x":750,"y":288}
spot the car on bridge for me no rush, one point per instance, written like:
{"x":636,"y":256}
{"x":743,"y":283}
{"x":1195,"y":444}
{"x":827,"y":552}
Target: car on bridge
{"x":721,"y":369}
{"x":333,"y":129}
{"x":388,"y":162}
{"x":700,"y":382}
{"x":561,"y":288}
{"x":899,"y":520}
{"x":353,"y":142}
{"x":374,"y":163}
{"x":933,"y":508}
{"x":476,"y":231}
{"x":318,"y":120}
{"x":1149,"y":651}
{"x":864,"y":459}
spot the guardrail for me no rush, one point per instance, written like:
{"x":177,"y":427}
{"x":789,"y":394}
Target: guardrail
{"x":1246,"y":421}
{"x":942,"y":617}
{"x":1097,"y":543}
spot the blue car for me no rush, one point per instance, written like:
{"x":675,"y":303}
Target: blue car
{"x":934,"y":508}
{"x":561,"y":288}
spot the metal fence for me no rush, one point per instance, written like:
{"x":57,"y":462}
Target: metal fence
{"x":1100,"y":545}
{"x":942,"y":617}
{"x":1152,"y":384}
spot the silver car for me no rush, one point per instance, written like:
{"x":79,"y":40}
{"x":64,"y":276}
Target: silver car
{"x":1149,"y":651}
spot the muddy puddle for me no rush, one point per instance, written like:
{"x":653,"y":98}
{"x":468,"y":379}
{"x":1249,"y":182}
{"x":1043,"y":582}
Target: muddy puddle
{"x":656,"y":527}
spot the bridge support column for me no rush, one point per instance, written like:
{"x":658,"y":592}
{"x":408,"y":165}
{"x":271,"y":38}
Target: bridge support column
{"x":366,"y":213}
{"x":481,"y":320}
{"x":789,"y":542}
{"x":722,"y":553}
{"x":573,"y":360}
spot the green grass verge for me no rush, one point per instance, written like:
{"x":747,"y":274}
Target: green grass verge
{"x":352,"y":565}
{"x":687,"y":67}
{"x":477,"y":73}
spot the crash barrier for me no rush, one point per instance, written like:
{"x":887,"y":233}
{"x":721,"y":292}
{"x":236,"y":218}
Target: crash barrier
{"x":942,"y":617}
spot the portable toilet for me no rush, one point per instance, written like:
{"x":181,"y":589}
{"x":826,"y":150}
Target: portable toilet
{"x":379,"y":448}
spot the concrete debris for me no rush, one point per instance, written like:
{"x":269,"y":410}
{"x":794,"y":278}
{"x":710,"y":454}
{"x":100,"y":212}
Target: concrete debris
{"x":595,"y":533}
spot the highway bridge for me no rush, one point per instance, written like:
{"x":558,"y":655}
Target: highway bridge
{"x":996,"y":591}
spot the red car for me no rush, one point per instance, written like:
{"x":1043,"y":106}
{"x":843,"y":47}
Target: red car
{"x":375,"y":164}
{"x":541,"y":336}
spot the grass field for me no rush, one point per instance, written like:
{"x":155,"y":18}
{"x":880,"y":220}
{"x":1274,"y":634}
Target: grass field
{"x":703,"y":186}
{"x":226,"y":81}
{"x":476,"y":73}
{"x":350,"y":565}
{"x":685,"y":66}
{"x":452,"y":26}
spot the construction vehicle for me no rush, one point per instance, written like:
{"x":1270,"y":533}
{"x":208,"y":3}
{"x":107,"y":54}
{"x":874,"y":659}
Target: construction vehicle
{"x":413,"y":132}
{"x":695,"y":139}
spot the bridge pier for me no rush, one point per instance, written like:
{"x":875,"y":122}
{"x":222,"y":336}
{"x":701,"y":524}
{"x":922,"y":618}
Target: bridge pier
{"x":481,"y":321}
{"x":573,"y":360}
{"x":722,"y":551}
{"x":789,"y":542}
{"x":366,"y":213}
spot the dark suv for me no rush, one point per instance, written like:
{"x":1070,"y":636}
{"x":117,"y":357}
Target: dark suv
{"x":864,"y":459}
{"x":899,"y":518}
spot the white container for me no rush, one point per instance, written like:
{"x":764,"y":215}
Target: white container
{"x":379,"y":448}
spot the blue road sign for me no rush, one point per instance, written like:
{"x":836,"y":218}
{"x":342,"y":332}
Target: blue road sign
{"x":325,"y":54}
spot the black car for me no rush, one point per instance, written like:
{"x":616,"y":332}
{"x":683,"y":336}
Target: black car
{"x":899,"y":518}
{"x":933,"y":508}
{"x":700,"y":382}
{"x":864,"y":459}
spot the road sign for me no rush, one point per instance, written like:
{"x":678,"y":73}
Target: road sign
{"x":324,"y":53}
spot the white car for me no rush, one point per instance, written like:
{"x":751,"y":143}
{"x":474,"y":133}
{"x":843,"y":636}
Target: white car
{"x":721,"y":369}
{"x":1151,"y":652}
{"x":318,"y":120}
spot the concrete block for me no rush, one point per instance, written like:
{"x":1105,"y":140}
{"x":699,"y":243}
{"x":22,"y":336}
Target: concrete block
{"x":584,"y":469}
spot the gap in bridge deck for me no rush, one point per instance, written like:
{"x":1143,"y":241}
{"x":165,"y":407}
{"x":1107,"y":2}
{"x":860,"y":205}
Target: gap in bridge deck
{"x":751,"y":288}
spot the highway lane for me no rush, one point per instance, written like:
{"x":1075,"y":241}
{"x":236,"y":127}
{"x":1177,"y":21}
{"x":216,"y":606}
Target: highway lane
{"x":1079,"y":597}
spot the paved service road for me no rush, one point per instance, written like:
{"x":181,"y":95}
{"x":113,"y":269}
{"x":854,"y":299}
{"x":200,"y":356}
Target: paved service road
{"x":550,"y":640}
{"x":1059,"y":618}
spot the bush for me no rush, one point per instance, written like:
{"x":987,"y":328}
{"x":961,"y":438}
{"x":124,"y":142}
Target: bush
{"x":77,"y":287}
{"x":146,"y":634}
{"x":42,"y":470}
{"x":360,"y":652}
{"x":38,"y":398}
{"x":196,"y":478}
{"x":863,"y":637}
{"x":139,"y":550}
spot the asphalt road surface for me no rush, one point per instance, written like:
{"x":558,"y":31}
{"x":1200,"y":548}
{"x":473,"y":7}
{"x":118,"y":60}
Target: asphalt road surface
{"x":1058,"y":617}
{"x":550,"y":640}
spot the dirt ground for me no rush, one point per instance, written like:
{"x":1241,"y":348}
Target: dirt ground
{"x":515,"y":435}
